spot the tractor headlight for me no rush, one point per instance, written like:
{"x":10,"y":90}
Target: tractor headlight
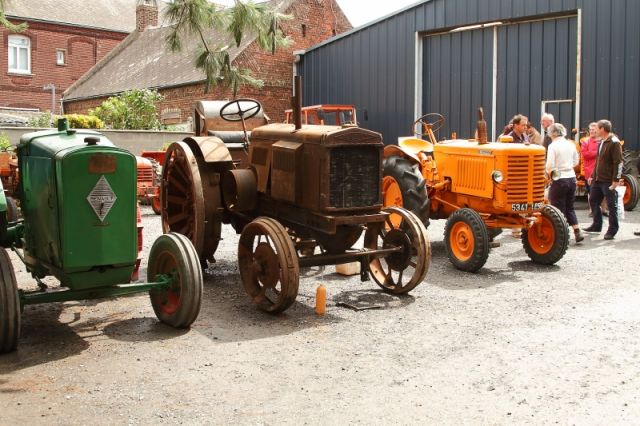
{"x":497,"y":176}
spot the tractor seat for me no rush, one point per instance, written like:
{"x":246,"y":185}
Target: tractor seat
{"x":229,"y":136}
{"x":414,"y":144}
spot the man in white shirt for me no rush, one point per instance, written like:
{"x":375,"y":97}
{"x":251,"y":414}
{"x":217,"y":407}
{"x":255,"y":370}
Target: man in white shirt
{"x":562,"y":157}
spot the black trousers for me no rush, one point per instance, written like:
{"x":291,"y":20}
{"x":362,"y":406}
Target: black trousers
{"x":562,"y":195}
{"x":600,"y":191}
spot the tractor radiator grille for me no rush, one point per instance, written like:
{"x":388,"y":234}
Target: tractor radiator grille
{"x":472,"y":175}
{"x":522,"y":186}
{"x":354,"y":177}
{"x":145,"y":175}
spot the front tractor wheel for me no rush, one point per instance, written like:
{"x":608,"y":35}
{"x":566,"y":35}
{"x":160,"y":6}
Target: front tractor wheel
{"x":173,"y":254}
{"x":403,"y":186}
{"x":9,"y":305}
{"x":400,"y":271}
{"x":547,"y":240}
{"x":466,"y":240}
{"x":268,"y":265}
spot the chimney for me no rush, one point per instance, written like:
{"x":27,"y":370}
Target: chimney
{"x":146,"y":14}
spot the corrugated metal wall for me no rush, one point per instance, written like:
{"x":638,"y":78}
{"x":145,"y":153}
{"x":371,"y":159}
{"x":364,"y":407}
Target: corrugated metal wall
{"x":374,"y":67}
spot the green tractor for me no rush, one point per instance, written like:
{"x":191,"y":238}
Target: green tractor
{"x":77,"y":194}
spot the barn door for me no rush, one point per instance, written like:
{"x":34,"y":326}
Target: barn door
{"x":457,"y":79}
{"x":537,"y":63}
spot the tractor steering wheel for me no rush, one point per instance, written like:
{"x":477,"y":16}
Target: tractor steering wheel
{"x":432,"y":121}
{"x":238,"y":113}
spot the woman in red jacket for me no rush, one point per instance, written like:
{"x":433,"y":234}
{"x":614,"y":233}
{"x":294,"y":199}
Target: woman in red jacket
{"x":589,"y":151}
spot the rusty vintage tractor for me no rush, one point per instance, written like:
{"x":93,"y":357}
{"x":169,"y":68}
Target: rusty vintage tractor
{"x":304,"y":199}
{"x":334,"y":115}
{"x":479,"y":188}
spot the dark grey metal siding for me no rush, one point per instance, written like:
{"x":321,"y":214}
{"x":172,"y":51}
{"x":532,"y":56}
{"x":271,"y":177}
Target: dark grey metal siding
{"x":458,"y":66}
{"x":373,"y":67}
{"x":536,"y":62}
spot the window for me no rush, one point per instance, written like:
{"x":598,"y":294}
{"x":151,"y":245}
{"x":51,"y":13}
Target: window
{"x":19,"y":54}
{"x":60,"y":56}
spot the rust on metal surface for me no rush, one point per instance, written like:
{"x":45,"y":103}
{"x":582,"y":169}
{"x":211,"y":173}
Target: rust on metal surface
{"x":102,"y":163}
{"x":482,"y":127}
{"x":239,"y":190}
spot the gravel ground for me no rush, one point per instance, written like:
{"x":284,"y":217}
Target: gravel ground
{"x":514,"y":343}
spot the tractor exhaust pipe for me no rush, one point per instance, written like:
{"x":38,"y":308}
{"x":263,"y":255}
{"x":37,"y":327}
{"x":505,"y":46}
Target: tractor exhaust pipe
{"x":297,"y":102}
{"x":481,"y":128}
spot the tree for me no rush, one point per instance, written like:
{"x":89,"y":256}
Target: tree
{"x":134,"y":109}
{"x":4,"y":22}
{"x":200,"y":18}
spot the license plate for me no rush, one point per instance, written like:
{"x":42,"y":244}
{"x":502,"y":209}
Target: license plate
{"x":522,"y":207}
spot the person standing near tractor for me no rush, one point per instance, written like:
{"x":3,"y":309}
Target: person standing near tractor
{"x":546,"y":121}
{"x":562,"y":157}
{"x":519,"y":132}
{"x":604,"y":180}
{"x":589,"y":151}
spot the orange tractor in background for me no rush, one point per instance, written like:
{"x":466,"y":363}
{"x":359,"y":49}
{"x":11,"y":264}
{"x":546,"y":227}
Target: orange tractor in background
{"x":628,"y":180}
{"x":479,"y":188}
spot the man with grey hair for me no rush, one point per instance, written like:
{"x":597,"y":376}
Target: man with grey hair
{"x":604,"y":180}
{"x":546,"y":121}
{"x":562,"y":157}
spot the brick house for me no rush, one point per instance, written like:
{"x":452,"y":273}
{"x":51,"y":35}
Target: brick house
{"x":63,"y":41}
{"x":144,"y":61}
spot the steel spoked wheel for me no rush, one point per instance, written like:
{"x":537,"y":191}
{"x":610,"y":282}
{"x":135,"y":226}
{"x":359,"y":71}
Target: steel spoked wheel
{"x":174,"y":255}
{"x":547,"y":240}
{"x":466,"y":240}
{"x":268,"y":265}
{"x":183,"y":209}
{"x":9,"y":305}
{"x":399,"y":272}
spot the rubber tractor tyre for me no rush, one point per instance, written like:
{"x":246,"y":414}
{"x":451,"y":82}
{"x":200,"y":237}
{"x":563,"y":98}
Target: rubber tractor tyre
{"x":547,"y":242}
{"x":404,"y":186}
{"x":466,"y":240}
{"x":632,"y":193}
{"x":10,"y":312}
{"x":630,"y":165}
{"x":173,"y":254}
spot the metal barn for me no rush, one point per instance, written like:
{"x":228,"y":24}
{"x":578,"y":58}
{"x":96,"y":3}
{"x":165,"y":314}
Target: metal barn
{"x":578,"y":59}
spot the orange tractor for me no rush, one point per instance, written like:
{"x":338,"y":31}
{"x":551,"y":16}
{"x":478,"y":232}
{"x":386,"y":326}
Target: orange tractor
{"x":479,"y":188}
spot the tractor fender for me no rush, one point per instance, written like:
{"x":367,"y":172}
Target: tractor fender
{"x":211,"y":149}
{"x":390,"y":150}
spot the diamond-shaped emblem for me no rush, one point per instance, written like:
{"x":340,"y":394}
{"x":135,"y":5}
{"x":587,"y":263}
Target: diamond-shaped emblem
{"x":102,"y":198}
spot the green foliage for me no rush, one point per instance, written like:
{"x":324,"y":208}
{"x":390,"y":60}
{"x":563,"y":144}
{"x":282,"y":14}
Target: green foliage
{"x":133,"y":109}
{"x":199,"y":17}
{"x":4,"y":22}
{"x":5,"y":145}
{"x":81,"y":121}
{"x":44,"y":119}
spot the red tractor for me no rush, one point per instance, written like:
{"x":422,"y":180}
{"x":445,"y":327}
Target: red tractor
{"x":149,"y":175}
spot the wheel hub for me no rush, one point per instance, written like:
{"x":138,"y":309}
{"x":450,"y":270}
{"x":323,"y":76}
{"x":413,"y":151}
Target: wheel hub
{"x":266,"y":265}
{"x":399,"y":260}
